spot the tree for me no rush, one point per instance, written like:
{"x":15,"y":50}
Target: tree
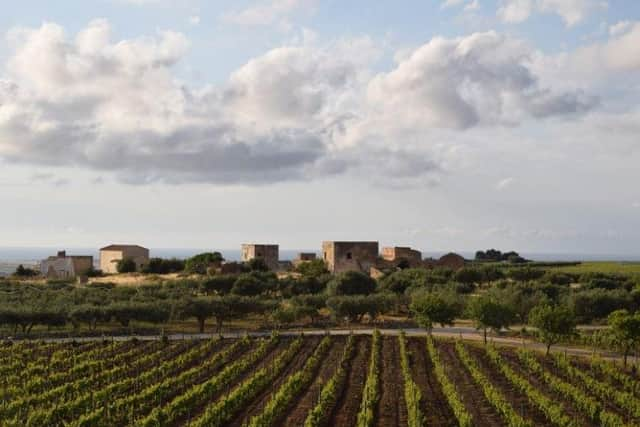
{"x":219,"y":284}
{"x":488,"y":313}
{"x":430,"y":308}
{"x":314,"y":268}
{"x":399,"y":281}
{"x":351,"y":283}
{"x":355,"y":307}
{"x":199,"y":308}
{"x":554,"y":323}
{"x":468,"y":275}
{"x":525,"y":274}
{"x":163,"y":266}
{"x":247,"y":285}
{"x":22,"y":271}
{"x":126,"y":265}
{"x":198,"y":264}
{"x":257,"y":264}
{"x":89,"y":314}
{"x":624,"y":330}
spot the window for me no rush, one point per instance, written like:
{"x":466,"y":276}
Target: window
{"x":349,"y":255}
{"x":325,"y":256}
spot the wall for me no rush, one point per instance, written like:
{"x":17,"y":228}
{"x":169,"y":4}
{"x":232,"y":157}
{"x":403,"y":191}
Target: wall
{"x":350,"y":256}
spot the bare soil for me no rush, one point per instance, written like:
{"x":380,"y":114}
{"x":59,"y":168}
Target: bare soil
{"x":392,"y":409}
{"x":345,"y":413}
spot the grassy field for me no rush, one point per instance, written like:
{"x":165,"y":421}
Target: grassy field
{"x":632,"y":268}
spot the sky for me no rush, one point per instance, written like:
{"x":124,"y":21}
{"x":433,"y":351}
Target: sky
{"x":443,"y":125}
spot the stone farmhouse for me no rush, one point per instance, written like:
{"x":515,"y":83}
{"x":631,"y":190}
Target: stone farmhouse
{"x":63,"y":266}
{"x":350,"y":256}
{"x":399,"y":254}
{"x":110,"y":255}
{"x":270,"y":254}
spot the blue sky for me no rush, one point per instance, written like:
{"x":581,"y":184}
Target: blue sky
{"x":446,"y":125}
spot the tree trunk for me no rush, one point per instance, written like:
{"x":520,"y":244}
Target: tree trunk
{"x":485,"y":336}
{"x":548,"y":349}
{"x":201,"y":325}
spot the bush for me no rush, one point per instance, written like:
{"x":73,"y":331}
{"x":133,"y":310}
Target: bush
{"x":163,"y":266}
{"x":126,"y":265}
{"x":199,"y":264}
{"x":351,"y":283}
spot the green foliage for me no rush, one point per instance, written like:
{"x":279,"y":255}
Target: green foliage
{"x":399,"y":281}
{"x":493,"y":395}
{"x":525,"y":274}
{"x":22,"y":271}
{"x":592,"y":304}
{"x":371,"y":391}
{"x":430,"y":308}
{"x":315,"y":268}
{"x":199,"y":264}
{"x":624,"y":330}
{"x":218,"y":284}
{"x":163,"y":266}
{"x":351,"y":283}
{"x":332,"y":389}
{"x":553,"y":323}
{"x":448,"y":388}
{"x":126,"y":265}
{"x":490,"y":313}
{"x":412,"y":393}
{"x":354,"y":307}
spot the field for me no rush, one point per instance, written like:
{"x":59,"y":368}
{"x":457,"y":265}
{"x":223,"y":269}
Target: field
{"x":354,"y":380}
{"x":607,"y":267}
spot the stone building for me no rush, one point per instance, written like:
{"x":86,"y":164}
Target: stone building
{"x":304,"y":257}
{"x":63,"y":266}
{"x":110,"y":255}
{"x":398,"y":254}
{"x":270,"y":254}
{"x":350,"y":256}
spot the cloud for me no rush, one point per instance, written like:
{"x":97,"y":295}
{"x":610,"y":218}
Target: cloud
{"x":296,"y":112}
{"x":268,"y":12}
{"x":194,"y":20}
{"x":473,"y":5}
{"x":620,"y":28}
{"x":504,"y":183}
{"x":451,"y":3}
{"x":572,"y":12}
{"x":481,"y":79}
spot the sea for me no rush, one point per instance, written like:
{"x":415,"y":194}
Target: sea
{"x":11,"y":257}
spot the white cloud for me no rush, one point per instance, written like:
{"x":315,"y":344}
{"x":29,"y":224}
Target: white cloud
{"x":620,"y":28}
{"x":473,"y":5}
{"x":194,"y":20}
{"x":572,"y":12}
{"x":268,"y":12}
{"x":293,"y":113}
{"x":451,"y":3}
{"x":460,"y":83}
{"x":504,"y":183}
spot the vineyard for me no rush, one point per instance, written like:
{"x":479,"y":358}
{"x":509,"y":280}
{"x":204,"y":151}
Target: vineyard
{"x":310,"y":381}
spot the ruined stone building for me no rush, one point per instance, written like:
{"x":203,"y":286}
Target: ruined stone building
{"x":270,"y":254}
{"x":304,"y":257}
{"x":451,"y":261}
{"x":399,"y":254}
{"x":63,"y":266}
{"x":350,"y":256}
{"x":110,"y":255}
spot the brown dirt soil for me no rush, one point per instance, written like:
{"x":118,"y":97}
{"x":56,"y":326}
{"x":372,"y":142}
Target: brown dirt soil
{"x":298,"y":411}
{"x":392,"y":409}
{"x":256,"y":406}
{"x":483,"y":413}
{"x":510,"y":357}
{"x":346,"y":411}
{"x":434,"y":404}
{"x":199,"y":409}
{"x":519,"y":401}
